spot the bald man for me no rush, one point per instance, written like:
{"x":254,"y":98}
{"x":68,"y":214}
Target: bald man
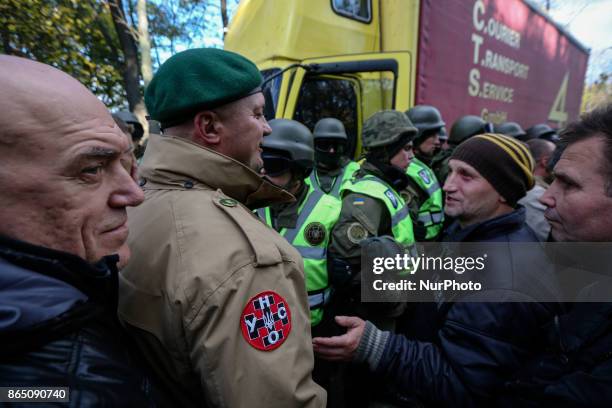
{"x":65,"y":183}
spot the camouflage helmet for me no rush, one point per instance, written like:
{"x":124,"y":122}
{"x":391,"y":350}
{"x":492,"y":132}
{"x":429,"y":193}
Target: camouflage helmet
{"x":466,"y":127}
{"x":385,"y":128}
{"x":293,"y":140}
{"x":542,"y":131}
{"x":425,"y":118}
{"x":329,"y":128}
{"x":511,"y":129}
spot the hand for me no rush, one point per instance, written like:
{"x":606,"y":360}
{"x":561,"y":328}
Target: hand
{"x":340,"y":348}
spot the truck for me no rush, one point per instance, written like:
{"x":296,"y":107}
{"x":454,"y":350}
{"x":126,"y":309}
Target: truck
{"x":503,"y":60}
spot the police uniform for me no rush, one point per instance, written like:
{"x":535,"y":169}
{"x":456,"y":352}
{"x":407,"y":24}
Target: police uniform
{"x":371,"y":207}
{"x":431,"y":210}
{"x":331,"y":181}
{"x":214,"y":298}
{"x":306,"y":224}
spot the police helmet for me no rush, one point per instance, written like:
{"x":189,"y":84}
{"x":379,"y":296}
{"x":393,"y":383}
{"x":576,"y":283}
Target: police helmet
{"x":130,"y":119}
{"x":466,"y":127}
{"x":511,"y":129}
{"x":290,"y":146}
{"x":542,"y":131}
{"x":329,"y":128}
{"x":425,"y":118}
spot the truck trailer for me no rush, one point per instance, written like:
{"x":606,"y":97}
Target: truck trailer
{"x":504,"y":60}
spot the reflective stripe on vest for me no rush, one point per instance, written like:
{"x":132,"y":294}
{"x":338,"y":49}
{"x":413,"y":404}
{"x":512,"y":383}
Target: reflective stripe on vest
{"x":401,"y":224}
{"x":311,"y":252}
{"x":431,"y":212}
{"x":347,"y":172}
{"x":433,"y":188}
{"x":311,"y":201}
{"x":429,"y":218}
{"x":400,"y":215}
{"x":316,"y":208}
{"x":318,"y":300}
{"x":262,"y":213}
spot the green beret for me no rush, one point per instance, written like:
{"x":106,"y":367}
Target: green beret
{"x":199,"y":79}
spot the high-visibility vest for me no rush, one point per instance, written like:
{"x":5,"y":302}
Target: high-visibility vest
{"x":336,"y":191}
{"x":317,"y":216}
{"x":431,"y":212}
{"x":372,"y":186}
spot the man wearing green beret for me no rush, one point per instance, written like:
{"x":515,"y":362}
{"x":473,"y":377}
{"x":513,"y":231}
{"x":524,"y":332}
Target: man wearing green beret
{"x":214,"y":297}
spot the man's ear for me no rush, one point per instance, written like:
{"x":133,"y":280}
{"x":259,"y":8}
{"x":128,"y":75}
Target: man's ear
{"x":206,"y":128}
{"x":544,"y":161}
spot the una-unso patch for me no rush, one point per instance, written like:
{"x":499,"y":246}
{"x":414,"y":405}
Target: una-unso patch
{"x":266,"y":321}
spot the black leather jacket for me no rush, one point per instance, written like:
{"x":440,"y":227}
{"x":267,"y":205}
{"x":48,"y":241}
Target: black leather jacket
{"x":58,"y":327}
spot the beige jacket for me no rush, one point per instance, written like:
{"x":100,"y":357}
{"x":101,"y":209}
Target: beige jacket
{"x":198,"y":257}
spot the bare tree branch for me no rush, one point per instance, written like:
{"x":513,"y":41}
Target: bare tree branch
{"x":146,"y":66}
{"x":224,"y":19}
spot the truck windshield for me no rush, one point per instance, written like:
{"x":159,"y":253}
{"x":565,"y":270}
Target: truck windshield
{"x":360,"y":10}
{"x":346,"y":97}
{"x":270,"y":91}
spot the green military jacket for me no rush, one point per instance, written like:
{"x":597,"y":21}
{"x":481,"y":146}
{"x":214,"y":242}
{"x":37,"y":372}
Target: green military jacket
{"x":365,"y":213}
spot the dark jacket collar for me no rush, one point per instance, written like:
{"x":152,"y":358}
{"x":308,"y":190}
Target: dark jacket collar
{"x":98,"y":281}
{"x":585,"y":321}
{"x":487,"y":230}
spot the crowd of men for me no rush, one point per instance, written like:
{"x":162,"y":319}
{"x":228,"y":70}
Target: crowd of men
{"x":239,"y":283}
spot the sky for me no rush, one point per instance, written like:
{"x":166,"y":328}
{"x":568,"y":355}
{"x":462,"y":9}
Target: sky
{"x":590,"y":21}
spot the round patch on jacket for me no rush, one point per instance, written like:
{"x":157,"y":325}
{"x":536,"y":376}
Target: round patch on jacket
{"x":356,"y":233}
{"x":314,"y":233}
{"x":266,"y":321}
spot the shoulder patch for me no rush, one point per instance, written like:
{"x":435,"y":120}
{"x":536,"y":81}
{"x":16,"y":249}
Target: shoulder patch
{"x":266,"y":321}
{"x":314,"y":233}
{"x":356,"y":233}
{"x":391,"y":197}
{"x":424,"y":176}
